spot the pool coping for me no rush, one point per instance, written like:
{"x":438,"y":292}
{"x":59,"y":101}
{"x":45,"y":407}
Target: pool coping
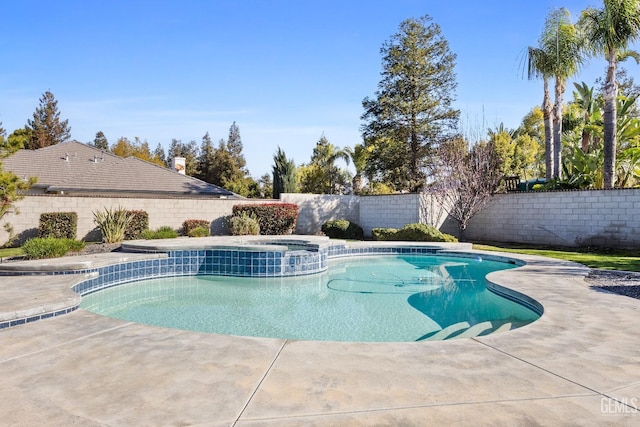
{"x":576,"y":364}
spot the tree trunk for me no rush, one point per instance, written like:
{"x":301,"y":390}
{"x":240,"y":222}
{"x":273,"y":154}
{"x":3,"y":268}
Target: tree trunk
{"x":415,"y":147}
{"x":557,"y":128}
{"x":547,"y":111}
{"x":586,"y":136}
{"x":610,"y":93}
{"x":356,"y":183}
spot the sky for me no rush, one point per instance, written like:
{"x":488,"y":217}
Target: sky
{"x":286,"y":71}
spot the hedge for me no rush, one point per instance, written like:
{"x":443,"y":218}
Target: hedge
{"x":138,"y":223}
{"x":342,"y":229}
{"x":59,"y":225}
{"x":274,"y":218}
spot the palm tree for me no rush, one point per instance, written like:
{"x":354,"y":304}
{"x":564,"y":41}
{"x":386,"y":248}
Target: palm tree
{"x":324,"y":157}
{"x":588,"y":103}
{"x":559,"y":55}
{"x":563,"y":42}
{"x":358,"y":155}
{"x":609,"y":31}
{"x":539,"y":64}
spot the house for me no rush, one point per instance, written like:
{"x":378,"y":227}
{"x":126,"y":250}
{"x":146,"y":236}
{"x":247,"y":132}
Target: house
{"x":77,"y":169}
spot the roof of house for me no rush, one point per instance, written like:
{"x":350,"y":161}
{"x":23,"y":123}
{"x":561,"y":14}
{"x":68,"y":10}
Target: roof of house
{"x":74,"y":167}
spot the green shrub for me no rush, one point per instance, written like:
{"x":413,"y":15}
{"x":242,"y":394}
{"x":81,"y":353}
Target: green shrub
{"x":243,"y":225}
{"x":50,"y":247}
{"x":164,"y":232}
{"x":273,"y":218}
{"x":342,"y":229}
{"x":383,"y":233}
{"x":58,"y":224}
{"x":413,"y":233}
{"x":112,"y":223}
{"x":190,"y":224}
{"x":139,"y":221}
{"x":199,"y":232}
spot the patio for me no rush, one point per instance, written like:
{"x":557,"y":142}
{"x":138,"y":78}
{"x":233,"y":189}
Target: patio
{"x":578,"y":364}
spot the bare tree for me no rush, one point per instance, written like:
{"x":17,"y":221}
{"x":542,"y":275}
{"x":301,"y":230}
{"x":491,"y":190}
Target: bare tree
{"x":465,"y":179}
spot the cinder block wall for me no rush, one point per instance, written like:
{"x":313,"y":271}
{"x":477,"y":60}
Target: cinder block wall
{"x":315,"y":209}
{"x":162,"y":211}
{"x":573,"y":218}
{"x":609,"y":218}
{"x":389,"y":211}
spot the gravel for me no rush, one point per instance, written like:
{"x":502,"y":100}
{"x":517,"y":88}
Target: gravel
{"x":625,"y":283}
{"x":98,"y":248}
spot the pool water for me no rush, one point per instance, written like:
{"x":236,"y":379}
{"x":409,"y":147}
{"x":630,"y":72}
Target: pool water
{"x":364,"y":299}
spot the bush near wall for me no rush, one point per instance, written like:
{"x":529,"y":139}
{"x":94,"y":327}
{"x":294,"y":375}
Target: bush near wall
{"x":199,"y":232}
{"x":243,"y":225}
{"x":50,"y":247}
{"x":274,"y":218}
{"x":164,"y":232}
{"x":138,"y":223}
{"x":412,"y":233}
{"x":342,"y":229}
{"x":59,"y":225}
{"x":191,"y":224}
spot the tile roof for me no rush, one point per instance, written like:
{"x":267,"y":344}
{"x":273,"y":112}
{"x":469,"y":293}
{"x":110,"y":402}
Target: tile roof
{"x":74,"y":167}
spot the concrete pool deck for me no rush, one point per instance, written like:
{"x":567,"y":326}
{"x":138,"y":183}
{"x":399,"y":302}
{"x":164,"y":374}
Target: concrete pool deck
{"x":579,"y":364}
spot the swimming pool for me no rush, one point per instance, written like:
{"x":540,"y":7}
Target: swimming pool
{"x":382,"y":298}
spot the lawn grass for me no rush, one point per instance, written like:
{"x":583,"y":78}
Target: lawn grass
{"x":9,"y":252}
{"x":595,"y":258}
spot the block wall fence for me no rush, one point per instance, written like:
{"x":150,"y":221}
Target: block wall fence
{"x":606,"y":218}
{"x":609,"y":218}
{"x":162,"y":211}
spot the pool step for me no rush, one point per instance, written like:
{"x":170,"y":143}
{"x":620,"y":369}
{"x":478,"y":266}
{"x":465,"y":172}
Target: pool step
{"x":464,"y":330}
{"x":504,"y":327}
{"x":443,"y":334}
{"x":475,"y":330}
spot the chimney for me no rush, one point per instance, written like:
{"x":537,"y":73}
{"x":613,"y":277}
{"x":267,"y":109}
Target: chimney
{"x":179,"y":164}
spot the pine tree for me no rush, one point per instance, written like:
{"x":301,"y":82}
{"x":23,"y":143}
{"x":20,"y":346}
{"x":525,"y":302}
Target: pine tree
{"x":189,"y":151}
{"x":206,"y":159}
{"x":236,"y":178}
{"x":46,"y":127}
{"x":159,"y":156}
{"x":100,"y":141}
{"x":224,"y":165}
{"x":411,"y":114}
{"x":234,"y":145}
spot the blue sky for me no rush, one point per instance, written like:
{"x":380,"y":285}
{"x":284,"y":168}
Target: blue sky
{"x":285,"y":70}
